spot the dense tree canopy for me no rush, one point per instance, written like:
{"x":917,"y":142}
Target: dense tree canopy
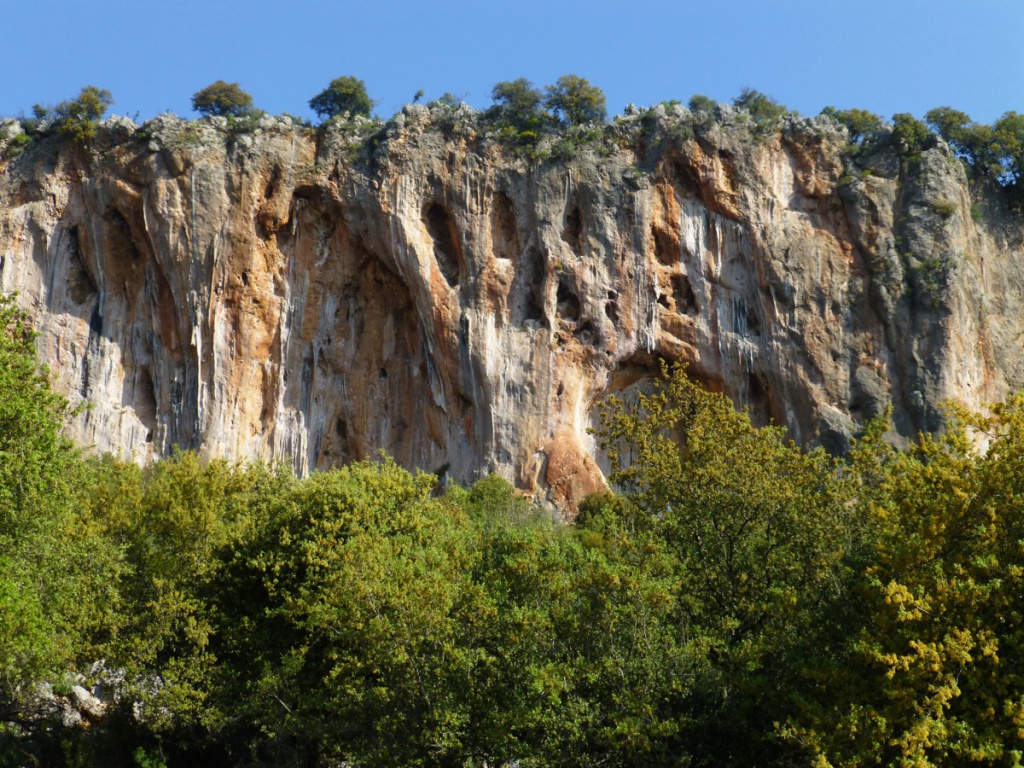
{"x":344,"y":94}
{"x":995,"y":151}
{"x":736,"y":601}
{"x":517,"y":101}
{"x":575,"y":101}
{"x":56,"y":574}
{"x":221,"y":99}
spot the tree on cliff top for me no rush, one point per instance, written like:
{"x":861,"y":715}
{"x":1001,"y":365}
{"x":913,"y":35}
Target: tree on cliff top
{"x":762,"y":107}
{"x":864,"y":126}
{"x":221,"y":99}
{"x":995,"y":151}
{"x":77,"y":118}
{"x":517,"y":102}
{"x":344,"y":94}
{"x":575,"y":100}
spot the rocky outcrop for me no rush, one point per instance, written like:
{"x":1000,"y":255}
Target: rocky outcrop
{"x":422,"y":288}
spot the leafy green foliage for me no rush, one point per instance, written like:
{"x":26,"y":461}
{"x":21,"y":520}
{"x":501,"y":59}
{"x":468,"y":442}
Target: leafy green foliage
{"x":864,"y":126}
{"x":372,"y":586}
{"x":518,"y":113}
{"x":344,"y":94}
{"x":931,"y":675}
{"x":995,"y":151}
{"x":909,"y":134}
{"x":703,"y":107}
{"x":446,"y":99}
{"x":575,"y":101}
{"x":19,"y":144}
{"x":757,"y":530}
{"x":764,"y":110}
{"x":221,"y":99}
{"x":78,"y":118}
{"x":55,"y":573}
{"x":518,"y":103}
{"x":738,"y":601}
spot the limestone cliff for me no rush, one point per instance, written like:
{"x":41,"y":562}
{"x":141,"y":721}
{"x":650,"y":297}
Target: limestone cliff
{"x":423,"y":288}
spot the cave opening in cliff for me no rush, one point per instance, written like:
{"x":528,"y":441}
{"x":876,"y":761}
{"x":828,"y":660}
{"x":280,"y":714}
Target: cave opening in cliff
{"x":567,"y":300}
{"x":611,"y":307}
{"x":447,"y":252}
{"x":572,"y":230}
{"x":80,"y":285}
{"x":527,"y":297}
{"x":685,"y":298}
{"x":118,"y":238}
{"x":504,"y":233}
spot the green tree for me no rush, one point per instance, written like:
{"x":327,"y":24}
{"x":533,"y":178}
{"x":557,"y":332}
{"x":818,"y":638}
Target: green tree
{"x":1008,"y":135}
{"x":79,"y":118}
{"x":704,"y":106}
{"x":368,"y":581}
{"x":953,"y":125}
{"x":757,"y":529}
{"x":762,"y":108}
{"x":572,"y":612}
{"x":344,"y":94}
{"x":864,"y":126}
{"x":517,"y":103}
{"x":991,"y":151}
{"x":180,"y":523}
{"x":930,"y":674}
{"x":221,"y":99}
{"x":518,"y":111}
{"x":909,"y":134}
{"x":575,"y":101}
{"x":972,"y":142}
{"x":56,"y":576}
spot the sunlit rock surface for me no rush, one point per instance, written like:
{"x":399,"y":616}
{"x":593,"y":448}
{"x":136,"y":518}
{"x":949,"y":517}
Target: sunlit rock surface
{"x":432,"y":293}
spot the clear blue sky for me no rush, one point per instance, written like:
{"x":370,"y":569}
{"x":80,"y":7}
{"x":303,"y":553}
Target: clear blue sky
{"x":887,"y":56}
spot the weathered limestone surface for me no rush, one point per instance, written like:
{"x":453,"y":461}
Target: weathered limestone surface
{"x":434,"y":294}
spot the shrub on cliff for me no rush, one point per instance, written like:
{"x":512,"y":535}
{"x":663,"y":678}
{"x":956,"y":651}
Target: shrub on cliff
{"x":221,"y":99}
{"x":703,"y":107}
{"x":764,"y":110}
{"x":517,"y":111}
{"x":993,"y":151}
{"x":344,"y":94}
{"x":909,"y":134}
{"x":78,"y":118}
{"x":575,"y":101}
{"x":862,"y":125}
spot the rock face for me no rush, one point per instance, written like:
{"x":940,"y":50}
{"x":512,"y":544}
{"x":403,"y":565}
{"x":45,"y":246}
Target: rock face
{"x":424,"y":289}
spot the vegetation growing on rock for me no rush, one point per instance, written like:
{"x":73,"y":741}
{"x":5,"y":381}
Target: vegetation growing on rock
{"x":574,"y":101}
{"x":524,"y":114}
{"x":221,"y":99}
{"x":344,"y":94}
{"x":77,"y":119}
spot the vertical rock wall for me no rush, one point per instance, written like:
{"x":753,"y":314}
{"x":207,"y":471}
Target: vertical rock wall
{"x":434,"y":294}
